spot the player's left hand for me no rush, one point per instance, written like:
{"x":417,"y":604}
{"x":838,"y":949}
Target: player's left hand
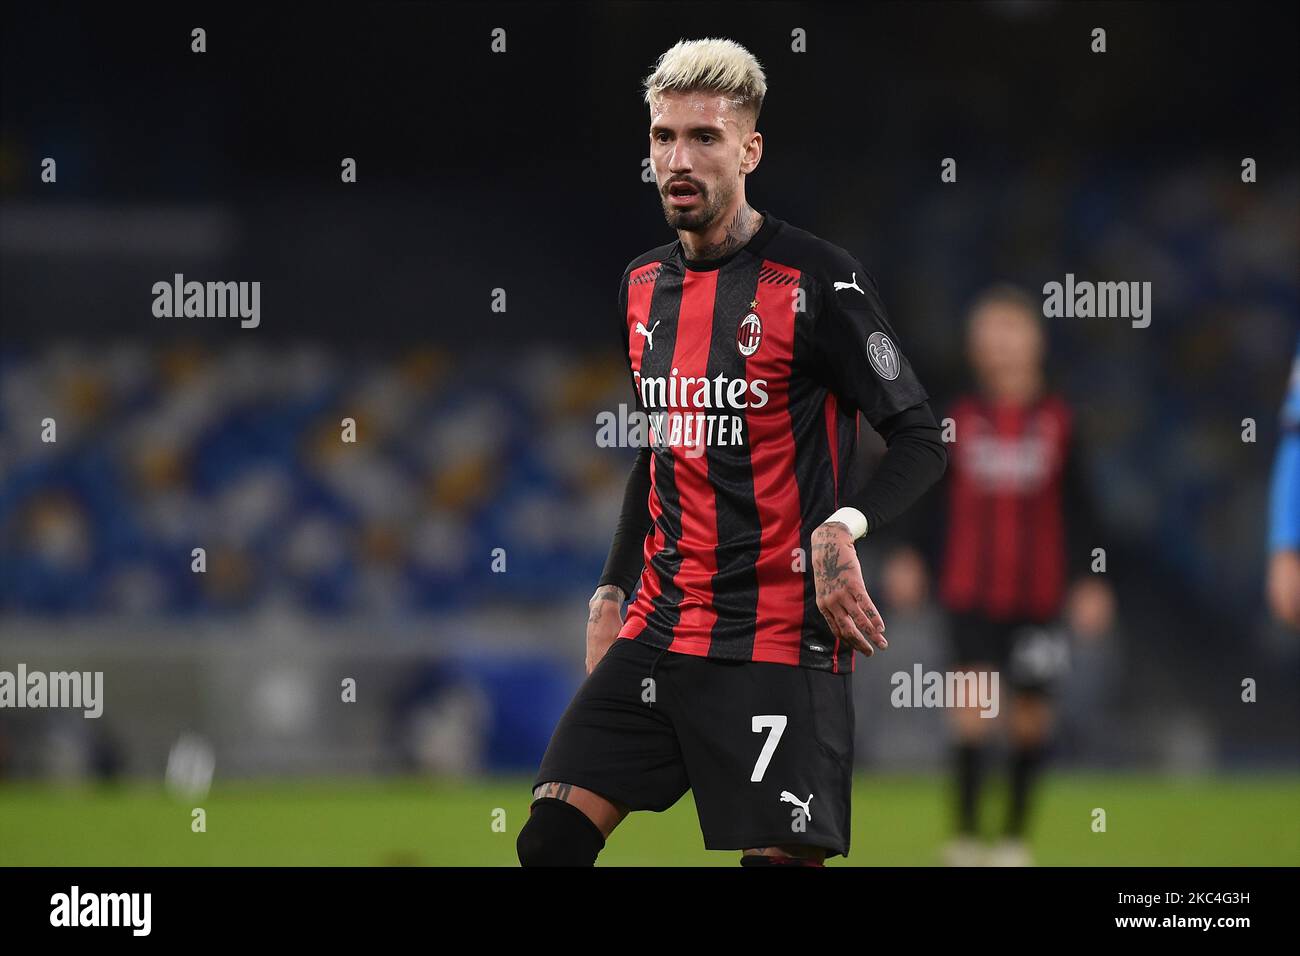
{"x":841,"y":593}
{"x":604,"y":621}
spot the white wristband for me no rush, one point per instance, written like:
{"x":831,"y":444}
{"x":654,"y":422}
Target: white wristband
{"x":851,"y":518}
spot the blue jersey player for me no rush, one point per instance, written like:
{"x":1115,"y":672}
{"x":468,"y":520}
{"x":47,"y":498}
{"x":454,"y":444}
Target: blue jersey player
{"x":1284,"y":523}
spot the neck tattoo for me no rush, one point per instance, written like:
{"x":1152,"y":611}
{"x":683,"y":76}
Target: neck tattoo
{"x":739,"y":231}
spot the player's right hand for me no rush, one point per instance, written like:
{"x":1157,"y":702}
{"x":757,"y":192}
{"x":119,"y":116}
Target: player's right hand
{"x":604,"y":621}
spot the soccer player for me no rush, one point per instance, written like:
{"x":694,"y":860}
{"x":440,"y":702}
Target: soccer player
{"x":1020,"y":528}
{"x":1284,"y":533}
{"x":753,"y":346}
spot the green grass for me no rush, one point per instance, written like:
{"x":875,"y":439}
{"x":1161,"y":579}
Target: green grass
{"x":897,"y":821}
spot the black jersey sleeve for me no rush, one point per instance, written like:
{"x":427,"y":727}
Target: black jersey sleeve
{"x":625,"y":560}
{"x":856,"y":347}
{"x":626,"y":557}
{"x":915,"y":459}
{"x":863,"y":365}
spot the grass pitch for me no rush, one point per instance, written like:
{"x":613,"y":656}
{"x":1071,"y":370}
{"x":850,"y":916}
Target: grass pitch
{"x":897,"y":821}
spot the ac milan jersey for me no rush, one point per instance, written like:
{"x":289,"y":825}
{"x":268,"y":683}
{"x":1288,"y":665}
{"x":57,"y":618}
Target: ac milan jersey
{"x":1005,"y":555}
{"x":751,"y":371}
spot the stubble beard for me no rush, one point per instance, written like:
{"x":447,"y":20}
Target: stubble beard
{"x":700,"y":219}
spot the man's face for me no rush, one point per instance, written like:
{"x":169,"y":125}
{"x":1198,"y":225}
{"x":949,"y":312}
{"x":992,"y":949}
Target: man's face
{"x":1004,"y":341}
{"x":699,"y":145}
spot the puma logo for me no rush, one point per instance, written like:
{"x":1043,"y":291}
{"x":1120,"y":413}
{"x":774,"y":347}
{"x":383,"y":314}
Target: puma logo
{"x":849,"y":285}
{"x":788,"y":797}
{"x":648,"y":333}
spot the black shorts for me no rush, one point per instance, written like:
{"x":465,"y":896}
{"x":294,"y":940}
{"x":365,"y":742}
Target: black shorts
{"x":766,"y":748}
{"x":1032,"y":656}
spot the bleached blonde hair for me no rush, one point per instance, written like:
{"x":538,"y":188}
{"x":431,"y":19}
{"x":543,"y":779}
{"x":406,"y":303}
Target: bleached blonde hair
{"x":712,"y":65}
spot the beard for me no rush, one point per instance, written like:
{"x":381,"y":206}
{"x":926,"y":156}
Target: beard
{"x":702,"y":216}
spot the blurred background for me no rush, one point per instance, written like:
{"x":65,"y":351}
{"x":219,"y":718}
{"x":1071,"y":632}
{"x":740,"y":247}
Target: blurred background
{"x":376,"y":560}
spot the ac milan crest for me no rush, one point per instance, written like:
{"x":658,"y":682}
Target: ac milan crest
{"x":750,"y":334}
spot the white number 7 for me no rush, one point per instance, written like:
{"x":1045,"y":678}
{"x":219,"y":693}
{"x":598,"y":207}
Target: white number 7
{"x":777,"y":724}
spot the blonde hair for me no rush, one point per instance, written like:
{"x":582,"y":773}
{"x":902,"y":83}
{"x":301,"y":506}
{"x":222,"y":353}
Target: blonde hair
{"x":1006,"y":293}
{"x":714,"y":65}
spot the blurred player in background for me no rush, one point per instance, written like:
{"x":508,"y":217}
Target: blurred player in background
{"x":1284,"y":530}
{"x":1018,"y":530}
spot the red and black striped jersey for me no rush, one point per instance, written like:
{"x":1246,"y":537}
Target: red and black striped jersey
{"x":752,"y":370}
{"x":1005,"y":552}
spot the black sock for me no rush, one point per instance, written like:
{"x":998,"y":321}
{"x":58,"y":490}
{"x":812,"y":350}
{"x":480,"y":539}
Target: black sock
{"x":558,"y":834}
{"x":968,"y":783}
{"x":1024,"y":771}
